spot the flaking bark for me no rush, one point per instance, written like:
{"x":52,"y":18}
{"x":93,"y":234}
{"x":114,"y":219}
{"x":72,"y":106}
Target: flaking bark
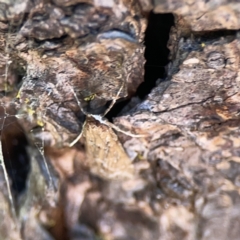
{"x":178,"y":177}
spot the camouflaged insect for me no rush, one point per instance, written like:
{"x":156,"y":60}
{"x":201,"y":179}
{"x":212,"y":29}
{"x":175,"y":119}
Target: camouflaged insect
{"x":79,"y":76}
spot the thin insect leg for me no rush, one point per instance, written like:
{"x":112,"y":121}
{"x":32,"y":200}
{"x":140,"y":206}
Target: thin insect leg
{"x":78,"y":102}
{"x":80,"y":134}
{"x":41,"y":148}
{"x":42,"y":152}
{"x":10,"y":162}
{"x":115,"y":98}
{"x":78,"y":137}
{"x":109,"y":124}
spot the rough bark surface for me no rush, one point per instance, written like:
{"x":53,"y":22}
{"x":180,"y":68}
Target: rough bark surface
{"x":166,"y":168}
{"x":203,"y":15}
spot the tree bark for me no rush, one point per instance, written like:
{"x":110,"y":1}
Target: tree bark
{"x":166,"y":168}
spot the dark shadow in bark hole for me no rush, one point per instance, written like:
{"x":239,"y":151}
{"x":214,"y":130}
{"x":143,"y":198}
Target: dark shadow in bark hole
{"x":16,"y":159}
{"x":156,"y":52}
{"x":156,"y":55}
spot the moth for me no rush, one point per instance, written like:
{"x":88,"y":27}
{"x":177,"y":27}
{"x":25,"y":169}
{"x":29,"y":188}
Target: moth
{"x":59,"y":93}
{"x":73,"y":77}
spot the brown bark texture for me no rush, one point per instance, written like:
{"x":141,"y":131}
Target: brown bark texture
{"x":166,"y":167}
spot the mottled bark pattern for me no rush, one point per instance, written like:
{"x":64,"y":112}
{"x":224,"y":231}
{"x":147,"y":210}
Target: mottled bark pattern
{"x":167,"y":168}
{"x":72,"y":50}
{"x":203,"y":15}
{"x":192,"y":122}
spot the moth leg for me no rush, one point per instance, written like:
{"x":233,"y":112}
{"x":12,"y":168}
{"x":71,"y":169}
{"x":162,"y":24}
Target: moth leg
{"x":78,"y":137}
{"x":115,"y":98}
{"x":80,"y":107}
{"x":78,"y":102}
{"x":100,"y":119}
